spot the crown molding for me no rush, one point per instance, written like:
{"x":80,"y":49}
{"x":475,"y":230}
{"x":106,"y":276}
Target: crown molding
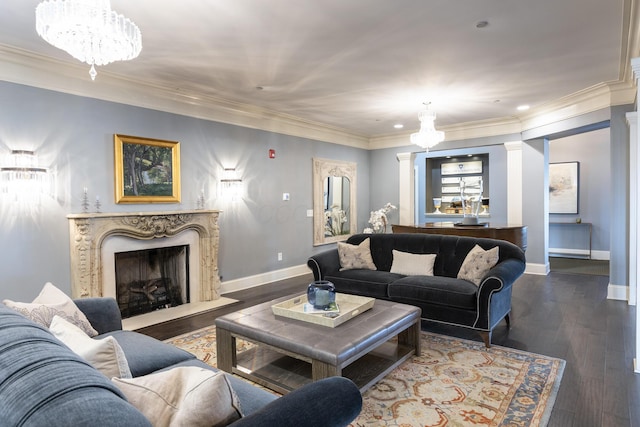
{"x":27,"y":68}
{"x":24,"y":67}
{"x":468,"y":130}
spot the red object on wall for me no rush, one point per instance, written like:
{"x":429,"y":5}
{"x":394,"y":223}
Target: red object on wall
{"x":272,"y":153}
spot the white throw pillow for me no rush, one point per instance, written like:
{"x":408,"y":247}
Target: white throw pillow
{"x":356,"y":256}
{"x":49,"y":303}
{"x":183,"y":396}
{"x":477,"y":264}
{"x":413,"y":264}
{"x":104,"y":354}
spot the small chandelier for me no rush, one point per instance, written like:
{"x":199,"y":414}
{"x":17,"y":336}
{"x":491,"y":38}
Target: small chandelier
{"x":89,"y":31}
{"x":427,"y":137}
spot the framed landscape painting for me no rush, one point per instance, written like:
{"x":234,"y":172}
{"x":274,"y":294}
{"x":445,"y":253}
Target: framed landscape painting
{"x":564,"y":180}
{"x":146,"y":170}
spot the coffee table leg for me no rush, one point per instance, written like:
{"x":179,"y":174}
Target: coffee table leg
{"x":411,"y":337}
{"x":320,"y":370}
{"x":226,"y":350}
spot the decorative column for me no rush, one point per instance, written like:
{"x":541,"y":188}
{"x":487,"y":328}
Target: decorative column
{"x":514,"y":182}
{"x":406,"y":191}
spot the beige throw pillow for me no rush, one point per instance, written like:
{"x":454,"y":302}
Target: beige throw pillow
{"x":356,"y":256}
{"x":51,"y":302}
{"x":477,"y":264}
{"x":412,"y":264}
{"x":104,"y":354}
{"x":183,"y":396}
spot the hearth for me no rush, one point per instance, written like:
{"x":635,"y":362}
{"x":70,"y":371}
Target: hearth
{"x":151,"y":279}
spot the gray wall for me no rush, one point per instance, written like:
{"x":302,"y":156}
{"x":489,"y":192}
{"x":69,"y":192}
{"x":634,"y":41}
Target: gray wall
{"x":592,"y":151}
{"x":75,"y":135}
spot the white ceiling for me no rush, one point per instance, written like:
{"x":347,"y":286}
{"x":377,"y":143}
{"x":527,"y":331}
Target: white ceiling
{"x":363,"y":65}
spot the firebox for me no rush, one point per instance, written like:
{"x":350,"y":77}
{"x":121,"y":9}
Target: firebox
{"x":151,"y":279}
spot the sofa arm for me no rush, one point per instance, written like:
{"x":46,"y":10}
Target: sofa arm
{"x":103,"y":313}
{"x":497,"y":281}
{"x":324,"y":263}
{"x":334,"y":401}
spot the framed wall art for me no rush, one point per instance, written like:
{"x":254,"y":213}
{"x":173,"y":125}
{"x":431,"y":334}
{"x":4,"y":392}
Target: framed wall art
{"x":146,"y":170}
{"x":564,"y":186}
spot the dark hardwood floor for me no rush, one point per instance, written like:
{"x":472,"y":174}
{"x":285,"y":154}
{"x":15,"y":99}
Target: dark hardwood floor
{"x":561,"y":315}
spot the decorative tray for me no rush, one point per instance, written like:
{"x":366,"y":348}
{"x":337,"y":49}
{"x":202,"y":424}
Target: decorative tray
{"x":349,"y":307}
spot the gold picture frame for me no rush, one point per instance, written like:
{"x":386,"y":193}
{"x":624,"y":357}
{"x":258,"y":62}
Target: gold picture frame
{"x":146,"y":170}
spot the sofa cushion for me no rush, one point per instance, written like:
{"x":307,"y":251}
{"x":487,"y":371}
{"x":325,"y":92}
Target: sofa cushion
{"x":51,"y":302}
{"x":145,"y":354}
{"x":367,"y":283}
{"x":251,"y":398}
{"x":184,"y":396}
{"x":413,"y":264}
{"x":104,"y":354}
{"x":477,"y":264}
{"x":441,"y":290}
{"x":45,"y":383}
{"x":355,"y":256}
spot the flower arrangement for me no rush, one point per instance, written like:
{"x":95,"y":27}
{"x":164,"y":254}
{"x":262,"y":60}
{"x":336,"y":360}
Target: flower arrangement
{"x":378,"y":219}
{"x":334,"y":221}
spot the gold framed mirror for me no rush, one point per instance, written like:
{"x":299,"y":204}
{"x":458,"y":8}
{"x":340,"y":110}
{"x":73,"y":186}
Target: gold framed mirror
{"x":334,"y":200}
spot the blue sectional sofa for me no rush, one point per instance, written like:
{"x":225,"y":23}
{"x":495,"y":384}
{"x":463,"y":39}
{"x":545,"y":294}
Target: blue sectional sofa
{"x":43,"y":383}
{"x":443,"y":297}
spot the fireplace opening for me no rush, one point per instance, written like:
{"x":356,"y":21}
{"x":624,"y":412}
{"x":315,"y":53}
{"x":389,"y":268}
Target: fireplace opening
{"x":151,"y":279}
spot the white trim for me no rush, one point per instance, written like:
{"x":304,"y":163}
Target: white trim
{"x":618,"y":292}
{"x":595,"y":255}
{"x":264,"y":278}
{"x":537,"y":269}
{"x":574,"y":252}
{"x":27,"y":68}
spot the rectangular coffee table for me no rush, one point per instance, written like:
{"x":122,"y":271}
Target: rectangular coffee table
{"x":288,"y":353}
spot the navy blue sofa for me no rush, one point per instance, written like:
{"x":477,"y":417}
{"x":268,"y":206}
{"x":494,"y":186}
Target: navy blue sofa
{"x":43,"y":383}
{"x":442,"y":297}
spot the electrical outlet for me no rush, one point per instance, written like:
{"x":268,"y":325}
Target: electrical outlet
{"x":285,"y":196}
{"x":279,"y":256}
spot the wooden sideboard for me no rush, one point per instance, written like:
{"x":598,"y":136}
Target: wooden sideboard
{"x":516,"y":234}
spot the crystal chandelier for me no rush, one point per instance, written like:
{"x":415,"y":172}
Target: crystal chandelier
{"x":89,"y":31}
{"x":427,"y":137}
{"x":22,"y":178}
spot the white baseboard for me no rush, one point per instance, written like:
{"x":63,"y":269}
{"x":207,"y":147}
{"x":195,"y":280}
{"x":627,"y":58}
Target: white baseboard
{"x":579,"y":253}
{"x":263,"y":278}
{"x":539,"y":269}
{"x":618,"y":292}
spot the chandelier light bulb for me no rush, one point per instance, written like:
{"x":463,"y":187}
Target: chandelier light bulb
{"x":89,"y":31}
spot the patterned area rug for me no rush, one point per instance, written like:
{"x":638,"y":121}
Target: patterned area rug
{"x":454,"y":382}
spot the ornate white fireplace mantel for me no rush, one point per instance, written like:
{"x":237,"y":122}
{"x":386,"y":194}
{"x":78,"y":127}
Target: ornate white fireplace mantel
{"x":88,"y":232}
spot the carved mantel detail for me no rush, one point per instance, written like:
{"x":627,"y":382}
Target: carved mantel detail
{"x":88,"y":231}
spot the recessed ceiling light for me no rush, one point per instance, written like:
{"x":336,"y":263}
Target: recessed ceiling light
{"x":523,"y":107}
{"x":398,"y":126}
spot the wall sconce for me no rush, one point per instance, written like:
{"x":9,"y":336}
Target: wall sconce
{"x":231,"y":187}
{"x":22,"y":178}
